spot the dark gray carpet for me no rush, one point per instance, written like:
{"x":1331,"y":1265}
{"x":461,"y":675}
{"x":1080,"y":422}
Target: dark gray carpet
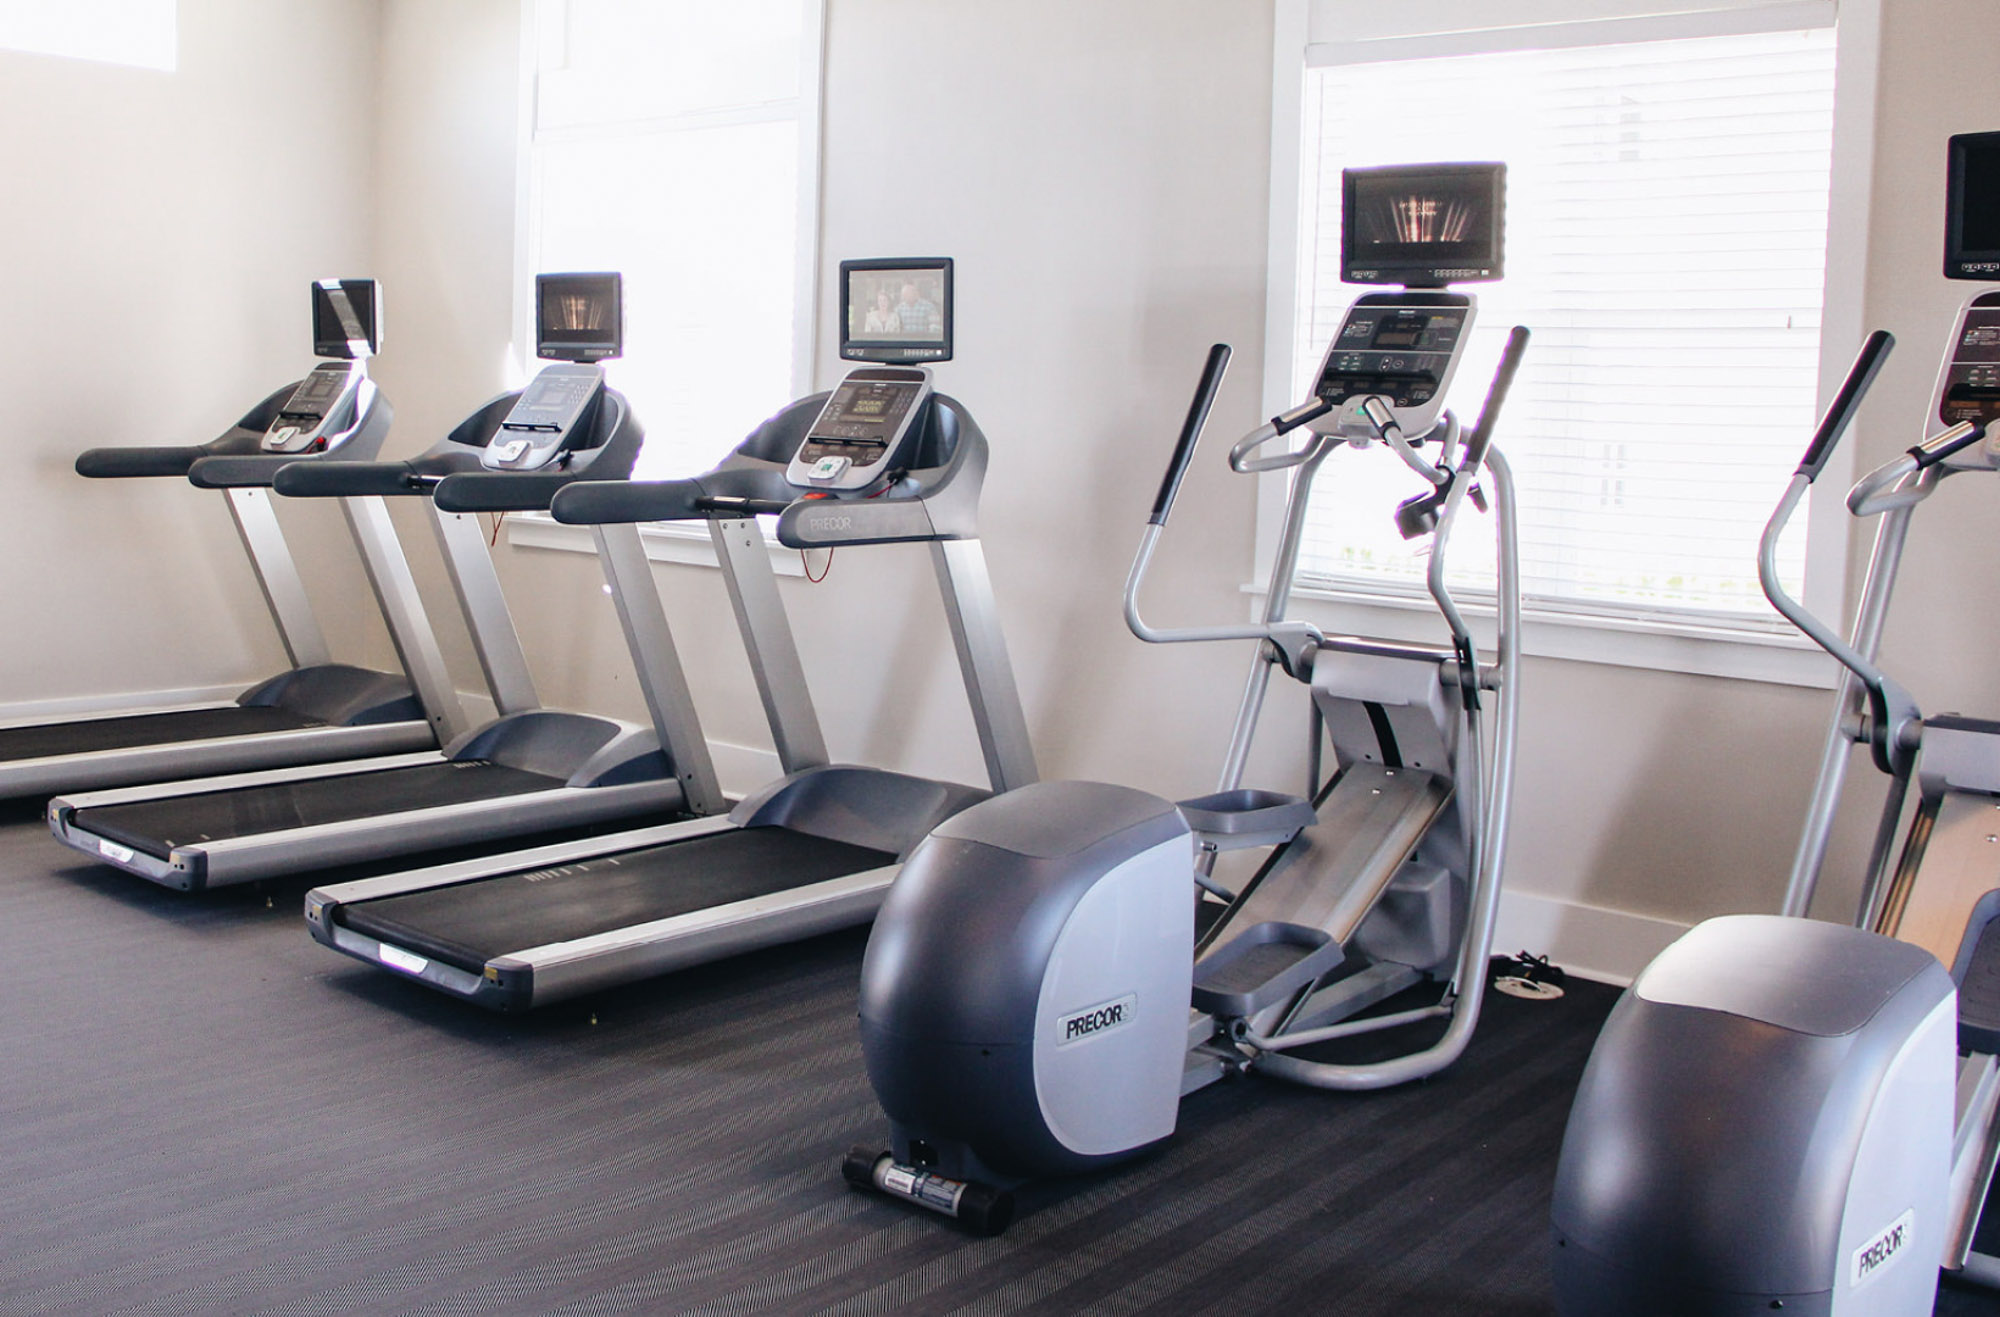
{"x":204,"y":1111}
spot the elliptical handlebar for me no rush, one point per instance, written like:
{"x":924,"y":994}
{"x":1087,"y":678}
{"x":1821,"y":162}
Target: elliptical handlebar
{"x":1825,"y":439}
{"x":1197,"y":416}
{"x":1282,"y":424}
{"x":1183,"y":455}
{"x":1496,"y":397}
{"x":1890,"y":486}
{"x":1845,"y":403}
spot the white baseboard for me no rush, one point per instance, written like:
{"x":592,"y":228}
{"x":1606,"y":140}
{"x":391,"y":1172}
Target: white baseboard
{"x":85,"y":706}
{"x":1610,"y":946}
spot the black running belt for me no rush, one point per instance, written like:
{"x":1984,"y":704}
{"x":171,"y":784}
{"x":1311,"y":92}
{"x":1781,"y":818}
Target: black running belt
{"x":155,"y":827}
{"x":470,"y":923}
{"x":94,"y":735}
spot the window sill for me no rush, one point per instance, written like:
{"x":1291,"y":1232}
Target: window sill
{"x":1745,"y":651}
{"x":685,"y":544}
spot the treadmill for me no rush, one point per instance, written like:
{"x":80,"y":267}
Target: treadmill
{"x":881,"y":459}
{"x":531,"y":769}
{"x":319,"y":710}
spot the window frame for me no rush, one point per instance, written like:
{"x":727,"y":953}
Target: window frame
{"x":675,"y":542}
{"x":1312,"y":34}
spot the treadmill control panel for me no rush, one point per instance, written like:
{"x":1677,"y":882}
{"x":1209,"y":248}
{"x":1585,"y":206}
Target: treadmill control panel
{"x":1969,"y":385}
{"x":544,"y":418}
{"x":320,"y":407}
{"x":860,"y":431}
{"x":1402,"y":348}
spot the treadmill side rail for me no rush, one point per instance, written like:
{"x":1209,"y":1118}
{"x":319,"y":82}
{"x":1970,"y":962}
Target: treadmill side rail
{"x":139,"y":765}
{"x":541,"y":976}
{"x":226,"y":861}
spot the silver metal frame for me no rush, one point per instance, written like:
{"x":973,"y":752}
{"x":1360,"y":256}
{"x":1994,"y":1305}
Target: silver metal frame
{"x":967,"y":591}
{"x":277,"y":573}
{"x":745,"y":561}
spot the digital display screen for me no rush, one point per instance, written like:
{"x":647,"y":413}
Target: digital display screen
{"x":1422,"y":225}
{"x":1972,"y":219}
{"x":579,"y":317}
{"x":316,"y":391}
{"x":868,"y":407}
{"x":896,"y":310}
{"x":346,"y":318}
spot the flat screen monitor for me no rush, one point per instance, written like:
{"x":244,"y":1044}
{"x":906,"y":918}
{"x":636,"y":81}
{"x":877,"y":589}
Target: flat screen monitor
{"x":1422,"y":226}
{"x":896,"y":310}
{"x":347,"y":318}
{"x":579,"y":317}
{"x":1972,"y":208}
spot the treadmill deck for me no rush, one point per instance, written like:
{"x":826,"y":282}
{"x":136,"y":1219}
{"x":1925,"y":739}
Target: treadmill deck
{"x":130,"y":731}
{"x":467,"y":924}
{"x":155,"y":827}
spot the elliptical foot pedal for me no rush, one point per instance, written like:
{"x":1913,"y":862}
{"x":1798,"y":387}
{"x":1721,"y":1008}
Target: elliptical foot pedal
{"x":981,"y":1208}
{"x":1262,"y":965}
{"x":1978,"y":975}
{"x":1234,"y":820}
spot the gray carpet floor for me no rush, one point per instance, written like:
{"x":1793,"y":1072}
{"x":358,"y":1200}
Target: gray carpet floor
{"x":204,"y":1111}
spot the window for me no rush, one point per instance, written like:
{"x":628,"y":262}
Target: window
{"x":677,"y":142}
{"x":139,"y":33}
{"x":1667,"y":207}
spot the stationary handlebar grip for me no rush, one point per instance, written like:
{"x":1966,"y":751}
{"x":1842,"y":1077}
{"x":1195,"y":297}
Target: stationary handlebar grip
{"x":1197,"y":416}
{"x":114,"y":463}
{"x":1496,"y":397}
{"x":1961,"y":436}
{"x":597,"y":502}
{"x":1845,"y":403}
{"x":321,"y":479}
{"x":239,"y":471}
{"x":498,"y":491}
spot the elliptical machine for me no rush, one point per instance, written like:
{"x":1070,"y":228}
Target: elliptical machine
{"x":1774,"y":1114}
{"x":1026,"y":992}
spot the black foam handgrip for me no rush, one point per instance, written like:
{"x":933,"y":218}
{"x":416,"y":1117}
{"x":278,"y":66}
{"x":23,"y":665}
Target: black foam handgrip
{"x":1496,"y":397}
{"x":321,"y":479}
{"x":117,"y":463}
{"x":1197,"y":416}
{"x":594,"y":502}
{"x":246,"y":471}
{"x":498,"y":491}
{"x":1845,"y":403}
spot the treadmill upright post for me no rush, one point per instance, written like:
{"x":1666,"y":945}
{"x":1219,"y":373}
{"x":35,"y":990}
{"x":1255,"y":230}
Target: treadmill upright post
{"x":657,"y":662}
{"x":277,"y":575}
{"x":410,"y":630}
{"x":477,"y":583}
{"x":967,"y":590}
{"x":767,"y":636}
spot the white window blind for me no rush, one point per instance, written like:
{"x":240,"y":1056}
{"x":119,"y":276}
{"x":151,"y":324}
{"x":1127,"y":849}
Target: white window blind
{"x":673,"y":141}
{"x":1665,"y":241}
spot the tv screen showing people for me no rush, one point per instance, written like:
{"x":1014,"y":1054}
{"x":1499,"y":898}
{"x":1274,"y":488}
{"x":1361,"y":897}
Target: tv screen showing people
{"x":896,"y":310}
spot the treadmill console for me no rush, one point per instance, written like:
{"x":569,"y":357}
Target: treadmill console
{"x":320,"y":408}
{"x":1400,"y":347}
{"x":861,"y":430}
{"x":544,"y":418}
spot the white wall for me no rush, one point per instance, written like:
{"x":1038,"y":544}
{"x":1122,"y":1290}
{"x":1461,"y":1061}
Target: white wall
{"x":162,"y":229}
